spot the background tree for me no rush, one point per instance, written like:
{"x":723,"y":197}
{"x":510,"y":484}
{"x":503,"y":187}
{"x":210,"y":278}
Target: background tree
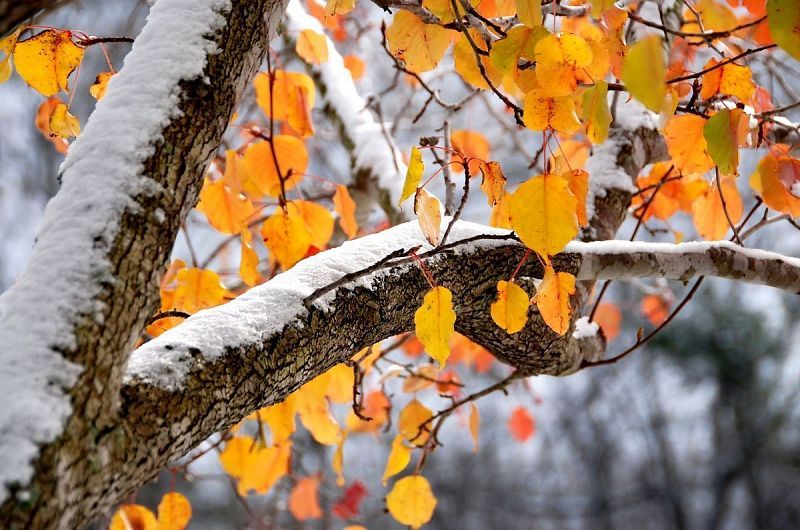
{"x":91,"y":418}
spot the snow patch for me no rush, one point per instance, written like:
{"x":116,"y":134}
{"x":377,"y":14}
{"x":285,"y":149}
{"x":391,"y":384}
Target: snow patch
{"x":101,"y":176}
{"x":584,"y":329}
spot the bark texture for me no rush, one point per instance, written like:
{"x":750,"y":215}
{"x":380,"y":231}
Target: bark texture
{"x":72,"y":483}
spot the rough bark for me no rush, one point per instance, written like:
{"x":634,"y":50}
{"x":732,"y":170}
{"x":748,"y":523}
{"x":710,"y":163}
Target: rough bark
{"x":14,"y":12}
{"x":72,"y":484}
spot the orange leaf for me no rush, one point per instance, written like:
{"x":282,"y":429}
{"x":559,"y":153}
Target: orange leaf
{"x":493,"y":182}
{"x":133,"y":517}
{"x":174,"y":512}
{"x":423,"y":377}
{"x":291,"y":99}
{"x":730,"y":79}
{"x":412,"y":423}
{"x":248,"y":264}
{"x":346,"y":208}
{"x":355,"y":65}
{"x":687,"y":144}
{"x":303,"y":501}
{"x":286,"y":236}
{"x":474,"y":425}
{"x":545,"y":112}
{"x":560,"y":61}
{"x":552,"y":299}
{"x":429,"y":214}
{"x":319,"y":221}
{"x":473,"y":146}
{"x":237,"y":455}
{"x":609,"y":318}
{"x":655,"y":308}
{"x":521,"y":424}
{"x":312,"y":47}
{"x":776,"y":179}
{"x":710,"y":214}
{"x":198,"y":289}
{"x":226,"y":210}
{"x":262,"y":175}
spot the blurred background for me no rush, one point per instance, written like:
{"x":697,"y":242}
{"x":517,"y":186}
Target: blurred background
{"x":699,"y":429}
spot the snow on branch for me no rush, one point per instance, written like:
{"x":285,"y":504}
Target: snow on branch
{"x":374,"y":151}
{"x":103,"y":180}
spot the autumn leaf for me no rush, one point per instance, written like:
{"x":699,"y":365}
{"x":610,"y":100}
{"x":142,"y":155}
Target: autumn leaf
{"x":521,"y":424}
{"x":413,"y":175}
{"x":722,"y":133}
{"x":133,"y":517}
{"x":429,"y":215}
{"x":264,"y":468}
{"x":644,"y":72}
{"x":263,"y":177}
{"x":100,"y":85}
{"x":472,"y":146}
{"x":776,"y":179}
{"x":579,"y":186}
{"x":609,"y":318}
{"x":419,"y":45}
{"x":493,"y":182}
{"x":248,"y":264}
{"x":423,"y":377}
{"x":710,"y":217}
{"x":399,"y":457}
{"x":174,"y":512}
{"x":474,"y":425}
{"x":552,"y":299}
{"x":46,"y":60}
{"x":226,"y":211}
{"x":340,"y":384}
{"x":281,"y":420}
{"x":348,"y":506}
{"x":197,"y":289}
{"x":542,"y":212}
{"x":304,"y":501}
{"x":560,"y":61}
{"x":783,"y":17}
{"x":312,"y":47}
{"x":236,"y":456}
{"x":345,"y":206}
{"x":412,"y":424}
{"x":529,"y":12}
{"x":286,"y":236}
{"x":687,"y":145}
{"x":355,"y":65}
{"x":596,"y":116}
{"x":510,"y":310}
{"x":655,"y":308}
{"x":6,"y":48}
{"x":466,"y":63}
{"x":339,"y":7}
{"x":542,"y":112}
{"x":291,"y":99}
{"x":434,"y":322}
{"x":63,"y":124}
{"x":411,"y":501}
{"x":319,"y":221}
{"x":729,"y":79}
{"x":337,"y":462}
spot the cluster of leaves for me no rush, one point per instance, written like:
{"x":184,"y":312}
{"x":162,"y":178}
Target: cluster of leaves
{"x":563,"y":81}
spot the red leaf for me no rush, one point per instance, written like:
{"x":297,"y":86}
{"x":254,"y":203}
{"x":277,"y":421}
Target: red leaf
{"x":348,"y":506}
{"x":521,"y":424}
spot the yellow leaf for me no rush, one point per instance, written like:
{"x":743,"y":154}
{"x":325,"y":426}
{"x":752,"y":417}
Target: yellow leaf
{"x":291,"y":99}
{"x":560,"y":61}
{"x":237,"y":456}
{"x":687,"y":145}
{"x":529,"y":12}
{"x":414,"y":174}
{"x":730,"y":79}
{"x":345,"y":206}
{"x":266,"y":466}
{"x":645,"y":72}
{"x":474,"y":425}
{"x":412,"y":423}
{"x":46,"y":60}
{"x":466,"y":63}
{"x":510,"y":310}
{"x":286,"y":236}
{"x":263,"y":177}
{"x":312,"y":47}
{"x":429,"y":214}
{"x":174,"y":512}
{"x":472,"y":147}
{"x":339,"y":7}
{"x":338,"y":461}
{"x":709,"y":213}
{"x":6,"y":48}
{"x":442,"y":9}
{"x":596,"y":116}
{"x":318,"y":219}
{"x":399,"y":457}
{"x":303,"y":501}
{"x":423,"y":377}
{"x":552,"y":299}
{"x":500,"y":217}
{"x":545,"y":112}
{"x":411,"y":501}
{"x":493,"y":182}
{"x":774,"y":179}
{"x":100,"y":85}
{"x":226,"y":210}
{"x":63,"y":124}
{"x":133,"y":517}
{"x":579,"y":186}
{"x":198,"y":289}
{"x":421,"y":46}
{"x":519,"y":43}
{"x":248,"y":264}
{"x":434,"y":323}
{"x":280,"y":418}
{"x":543,"y":213}
{"x":340,"y":384}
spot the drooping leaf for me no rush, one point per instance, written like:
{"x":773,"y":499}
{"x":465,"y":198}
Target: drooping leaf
{"x":399,"y":457}
{"x":552,"y":299}
{"x":783,"y":17}
{"x":263,"y":177}
{"x":729,"y":79}
{"x":429,"y":214}
{"x":560,"y":61}
{"x":197,"y":289}
{"x":434,"y":323}
{"x":579,"y":186}
{"x":542,"y":112}
{"x":339,"y":7}
{"x":312,"y":47}
{"x":596,"y":116}
{"x":46,"y":60}
{"x":345,"y":206}
{"x":609,"y":318}
{"x":133,"y":517}
{"x":412,"y":423}
{"x":510,"y":310}
{"x":644,"y":72}
{"x":413,"y":175}
{"x":226,"y":210}
{"x":721,"y":132}
{"x":687,"y":144}
{"x":248,"y":264}
{"x":100,"y":85}
{"x":542,"y":212}
{"x":777,"y":180}
{"x":290,"y":99}
{"x":286,"y":236}
{"x":348,"y":507}
{"x":493,"y":182}
{"x":421,"y":46}
{"x":304,"y":501}
{"x":474,"y":425}
{"x":472,"y":146}
{"x":709,"y":211}
{"x":521,"y":424}
{"x":174,"y":512}
{"x":466,"y":62}
{"x":423,"y":377}
{"x":319,"y":221}
{"x":63,"y":124}
{"x":6,"y":48}
{"x":355,"y":65}
{"x":411,"y":501}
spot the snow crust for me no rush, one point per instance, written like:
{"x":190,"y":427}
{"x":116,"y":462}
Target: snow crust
{"x":267,"y":309}
{"x":101,"y":176}
{"x":584,"y":329}
{"x":372,"y":152}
